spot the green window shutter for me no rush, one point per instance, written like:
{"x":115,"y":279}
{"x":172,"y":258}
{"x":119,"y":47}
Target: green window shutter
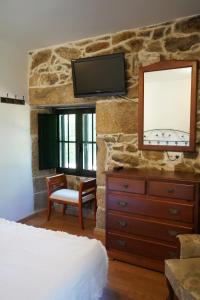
{"x":48,"y":141}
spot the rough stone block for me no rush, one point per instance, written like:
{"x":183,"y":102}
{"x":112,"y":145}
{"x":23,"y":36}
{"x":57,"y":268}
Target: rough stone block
{"x":100,"y":218}
{"x":73,"y":210}
{"x":40,"y":200}
{"x":158,"y":33}
{"x":126,"y":159}
{"x":148,"y":58}
{"x":188,"y":25}
{"x":122,"y":36}
{"x":48,"y":79}
{"x":35,"y":159}
{"x":153,"y":155}
{"x":118,"y":147}
{"x":145,"y":33}
{"x":197,"y":166}
{"x":116,"y":117}
{"x":127,"y":138}
{"x":39,"y":184}
{"x":182,"y":167}
{"x":97,"y":46}
{"x":110,"y":138}
{"x":136,"y":44}
{"x":121,"y":48}
{"x":101,"y":160}
{"x":83,"y":42}
{"x":131,"y":148}
{"x":133,"y":91}
{"x":154,"y":46}
{"x":173,"y":44}
{"x":101,"y":190}
{"x":190,"y":55}
{"x":40,"y":58}
{"x":43,"y":68}
{"x":68,"y":53}
{"x":34,"y":80}
{"x":63,"y":76}
{"x":51,"y":95}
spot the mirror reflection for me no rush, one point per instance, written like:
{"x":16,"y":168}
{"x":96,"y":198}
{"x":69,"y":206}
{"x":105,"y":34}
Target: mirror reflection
{"x":167,"y":107}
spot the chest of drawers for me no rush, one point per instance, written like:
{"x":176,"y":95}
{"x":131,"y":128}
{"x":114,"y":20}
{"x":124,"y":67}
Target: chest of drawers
{"x":145,"y":211}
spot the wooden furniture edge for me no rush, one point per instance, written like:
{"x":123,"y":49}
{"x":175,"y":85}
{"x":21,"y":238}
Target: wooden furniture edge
{"x":137,"y":260}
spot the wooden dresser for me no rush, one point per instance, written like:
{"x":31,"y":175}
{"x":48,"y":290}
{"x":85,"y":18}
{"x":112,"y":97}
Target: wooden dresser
{"x":145,"y":210}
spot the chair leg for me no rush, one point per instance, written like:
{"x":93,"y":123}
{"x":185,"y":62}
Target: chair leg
{"x":49,"y":210}
{"x":81,"y":217}
{"x":170,"y":290}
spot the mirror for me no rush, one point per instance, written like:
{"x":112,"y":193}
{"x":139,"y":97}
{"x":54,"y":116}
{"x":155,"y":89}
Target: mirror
{"x":167,"y":106}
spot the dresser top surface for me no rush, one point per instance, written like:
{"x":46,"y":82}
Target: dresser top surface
{"x":154,"y":174}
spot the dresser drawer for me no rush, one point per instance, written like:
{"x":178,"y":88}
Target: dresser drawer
{"x":171,"y":190}
{"x":144,"y":227}
{"x":154,"y":208}
{"x":141,"y":247}
{"x":126,"y":185}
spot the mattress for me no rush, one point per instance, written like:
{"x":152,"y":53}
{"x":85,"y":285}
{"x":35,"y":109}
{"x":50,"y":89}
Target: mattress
{"x":40,"y":264}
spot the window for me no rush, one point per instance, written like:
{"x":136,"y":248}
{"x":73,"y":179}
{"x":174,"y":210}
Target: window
{"x":77,"y":141}
{"x":67,"y":141}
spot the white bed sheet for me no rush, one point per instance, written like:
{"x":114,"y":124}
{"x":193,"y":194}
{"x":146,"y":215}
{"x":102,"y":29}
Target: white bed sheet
{"x":40,"y":264}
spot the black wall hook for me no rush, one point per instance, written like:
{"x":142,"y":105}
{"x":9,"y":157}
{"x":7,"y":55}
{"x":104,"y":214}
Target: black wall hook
{"x":12,"y":100}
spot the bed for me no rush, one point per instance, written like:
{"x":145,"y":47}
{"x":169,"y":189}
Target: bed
{"x":40,"y":264}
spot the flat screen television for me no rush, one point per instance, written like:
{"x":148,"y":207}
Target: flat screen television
{"x":100,"y":75}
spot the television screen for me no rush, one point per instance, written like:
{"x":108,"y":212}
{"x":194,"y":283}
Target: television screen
{"x":99,"y":75}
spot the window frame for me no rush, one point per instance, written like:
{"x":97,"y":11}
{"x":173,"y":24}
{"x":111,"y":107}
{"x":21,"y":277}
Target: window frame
{"x":79,"y":171}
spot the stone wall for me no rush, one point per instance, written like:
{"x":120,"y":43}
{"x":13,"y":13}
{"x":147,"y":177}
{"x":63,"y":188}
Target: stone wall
{"x":50,"y":83}
{"x":39,"y":185}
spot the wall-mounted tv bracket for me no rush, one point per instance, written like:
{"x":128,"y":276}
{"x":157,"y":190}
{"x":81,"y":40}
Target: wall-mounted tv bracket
{"x":12,"y":100}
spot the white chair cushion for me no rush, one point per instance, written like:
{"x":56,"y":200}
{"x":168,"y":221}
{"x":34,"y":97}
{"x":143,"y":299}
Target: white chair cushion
{"x":69,"y":196}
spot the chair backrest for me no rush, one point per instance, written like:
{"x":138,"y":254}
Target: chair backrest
{"x":56,"y":182}
{"x":87,"y":187}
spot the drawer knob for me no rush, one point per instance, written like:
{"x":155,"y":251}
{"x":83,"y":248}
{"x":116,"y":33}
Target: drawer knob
{"x":122,"y":223}
{"x":121,"y":243}
{"x":173,"y":233}
{"x":170,"y":191}
{"x":172,"y":254}
{"x":174,"y":211}
{"x":125,"y":185}
{"x":122,"y":203}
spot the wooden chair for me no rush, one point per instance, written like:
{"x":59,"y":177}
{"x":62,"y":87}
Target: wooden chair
{"x":59,"y":193}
